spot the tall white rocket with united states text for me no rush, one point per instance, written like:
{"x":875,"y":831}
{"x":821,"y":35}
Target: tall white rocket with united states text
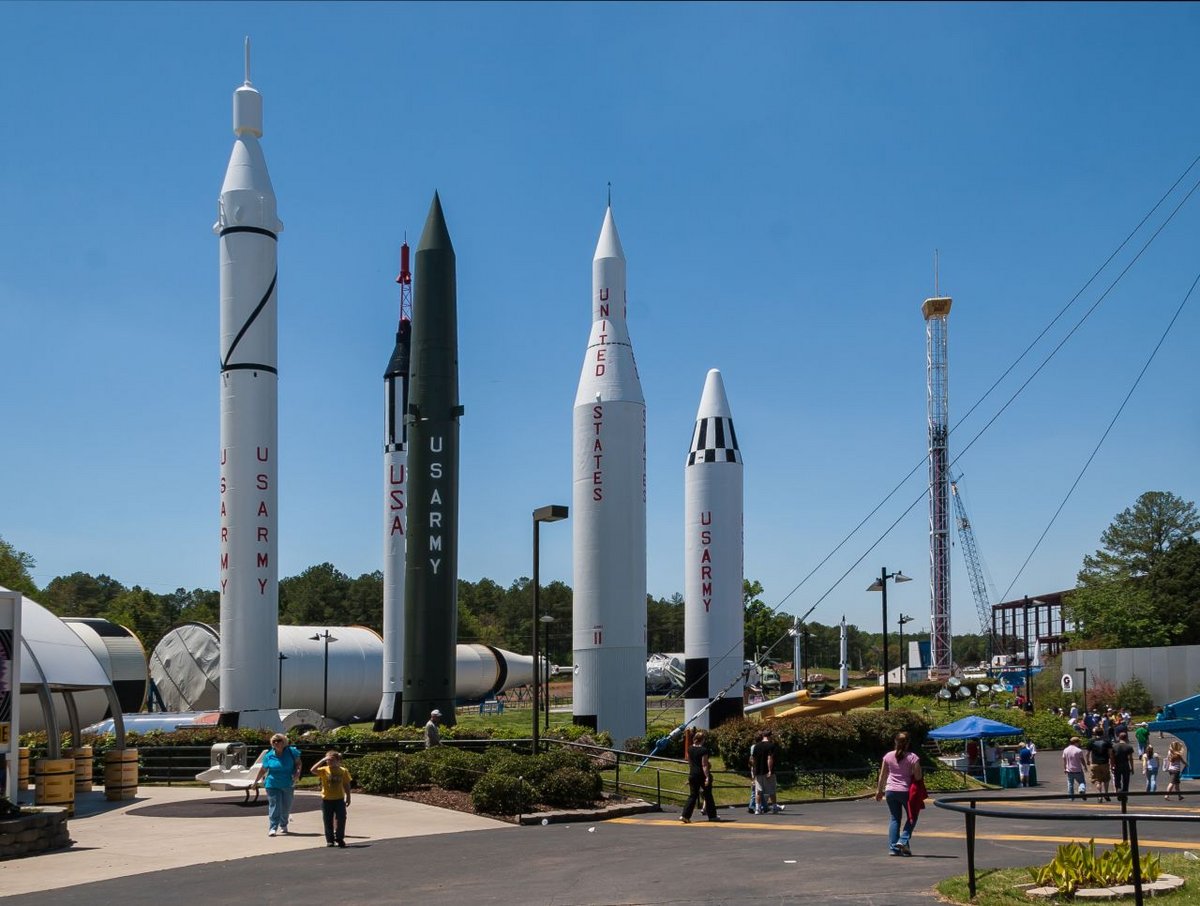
{"x":248,"y":228}
{"x":712,"y":562}
{"x":609,"y":512}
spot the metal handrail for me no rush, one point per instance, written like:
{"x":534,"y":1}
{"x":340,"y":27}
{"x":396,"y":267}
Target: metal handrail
{"x":1128,"y":821}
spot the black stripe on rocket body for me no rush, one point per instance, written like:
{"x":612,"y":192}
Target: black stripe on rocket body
{"x":248,"y":229}
{"x":695,"y":677}
{"x":225,"y":366}
{"x":715,"y":442}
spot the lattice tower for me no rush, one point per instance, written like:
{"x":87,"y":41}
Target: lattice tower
{"x":974,"y":569}
{"x":936,"y":312}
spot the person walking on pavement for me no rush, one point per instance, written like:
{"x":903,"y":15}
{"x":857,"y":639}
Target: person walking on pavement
{"x":1099,"y":758}
{"x":1150,"y":766}
{"x":281,"y":767}
{"x":1176,"y":764}
{"x":1073,"y":762}
{"x":762,"y":765}
{"x":1122,"y":764}
{"x":700,"y":780}
{"x":899,"y":771}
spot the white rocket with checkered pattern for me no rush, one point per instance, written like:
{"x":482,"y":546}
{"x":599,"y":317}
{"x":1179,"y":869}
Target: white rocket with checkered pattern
{"x":609,"y":512}
{"x":712,"y":561}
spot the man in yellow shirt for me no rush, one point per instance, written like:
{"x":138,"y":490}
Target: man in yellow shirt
{"x":335,"y":797}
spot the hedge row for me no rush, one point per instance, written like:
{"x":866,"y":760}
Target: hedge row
{"x":500,"y":781}
{"x":808,"y":743}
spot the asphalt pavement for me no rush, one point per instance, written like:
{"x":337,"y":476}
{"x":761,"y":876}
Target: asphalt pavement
{"x":400,"y":852}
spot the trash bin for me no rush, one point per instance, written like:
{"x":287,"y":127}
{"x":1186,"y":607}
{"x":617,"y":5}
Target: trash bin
{"x":1010,"y":777}
{"x":1033,"y":775}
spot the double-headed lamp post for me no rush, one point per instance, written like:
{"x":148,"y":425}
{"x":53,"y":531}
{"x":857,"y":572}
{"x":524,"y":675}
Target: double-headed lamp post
{"x":903,"y":657}
{"x":545,"y":619}
{"x":328,"y":637}
{"x":552,"y":513}
{"x":880,"y":585}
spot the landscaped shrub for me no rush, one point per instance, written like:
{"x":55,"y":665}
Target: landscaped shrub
{"x":500,"y":794}
{"x":455,"y":770}
{"x":570,"y":788}
{"x":375,"y":773}
{"x":1134,"y":695}
{"x":513,"y":764}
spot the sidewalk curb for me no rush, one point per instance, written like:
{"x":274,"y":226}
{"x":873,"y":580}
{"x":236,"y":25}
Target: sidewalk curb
{"x":592,"y":814}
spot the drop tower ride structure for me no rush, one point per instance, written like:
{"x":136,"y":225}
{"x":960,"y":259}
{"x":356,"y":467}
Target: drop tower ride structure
{"x":936,"y":312}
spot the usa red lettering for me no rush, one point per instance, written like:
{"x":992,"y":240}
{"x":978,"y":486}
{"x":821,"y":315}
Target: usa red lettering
{"x":262,"y":453}
{"x":601,"y":354}
{"x":262,"y":533}
{"x":604,"y":298}
{"x":706,"y":517}
{"x":706,"y":572}
{"x":224,"y":533}
{"x":397,"y":527}
{"x":706,"y":557}
{"x":262,"y":508}
{"x":262,"y":586}
{"x":394,"y":478}
{"x":262,"y":482}
{"x":600,"y":370}
{"x":706,"y":589}
{"x":223,"y":456}
{"x":224,"y":582}
{"x":223,"y":508}
{"x":397,"y":500}
{"x":597,"y":494}
{"x":222,"y":484}
{"x":225,"y":560}
{"x":597,"y":478}
{"x":262,"y":561}
{"x":706,"y":537}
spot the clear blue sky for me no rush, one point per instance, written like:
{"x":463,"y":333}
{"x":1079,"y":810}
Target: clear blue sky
{"x":781,"y":176}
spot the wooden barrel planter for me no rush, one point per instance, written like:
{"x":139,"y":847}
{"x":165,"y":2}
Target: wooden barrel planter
{"x":54,"y":783}
{"x":83,"y":767}
{"x":120,"y":775}
{"x":23,"y":768}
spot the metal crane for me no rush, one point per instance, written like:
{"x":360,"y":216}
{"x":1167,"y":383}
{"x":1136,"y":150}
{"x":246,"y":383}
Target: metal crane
{"x":974,"y":568}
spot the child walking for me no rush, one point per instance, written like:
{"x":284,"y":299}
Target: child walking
{"x":335,"y":796}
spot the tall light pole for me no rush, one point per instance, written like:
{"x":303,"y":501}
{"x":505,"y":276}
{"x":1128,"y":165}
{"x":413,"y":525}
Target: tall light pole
{"x":880,"y":585}
{"x":282,"y":657}
{"x":545,"y":619}
{"x":328,"y":637}
{"x":552,"y":513}
{"x":903,"y":657}
{"x":1083,"y":670}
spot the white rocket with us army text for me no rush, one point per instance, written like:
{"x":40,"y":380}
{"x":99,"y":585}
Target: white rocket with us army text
{"x":713,"y":624}
{"x":609,"y":512}
{"x":249,"y":575}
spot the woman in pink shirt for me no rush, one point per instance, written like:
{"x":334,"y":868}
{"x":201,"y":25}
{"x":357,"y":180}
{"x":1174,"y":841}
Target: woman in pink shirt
{"x":900,"y":769}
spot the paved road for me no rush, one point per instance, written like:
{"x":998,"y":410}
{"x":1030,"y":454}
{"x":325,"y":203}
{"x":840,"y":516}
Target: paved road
{"x":825,"y":853}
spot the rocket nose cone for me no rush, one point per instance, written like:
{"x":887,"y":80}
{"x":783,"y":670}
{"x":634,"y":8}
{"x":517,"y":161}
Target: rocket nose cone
{"x":713,"y":402}
{"x":435,"y":235}
{"x":609,"y":245}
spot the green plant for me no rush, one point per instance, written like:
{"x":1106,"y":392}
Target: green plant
{"x":1075,"y":866}
{"x":456,"y":770}
{"x":570,"y":788}
{"x":1134,"y":695}
{"x":499,"y":794}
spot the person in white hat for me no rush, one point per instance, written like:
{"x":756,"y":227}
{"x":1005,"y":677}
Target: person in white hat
{"x":432,"y":736}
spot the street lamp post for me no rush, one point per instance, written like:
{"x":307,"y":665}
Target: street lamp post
{"x":282,"y":657}
{"x":328,"y":637}
{"x":545,"y":619}
{"x":1083,"y":670}
{"x":903,"y":658}
{"x":552,"y":513}
{"x":880,"y":585}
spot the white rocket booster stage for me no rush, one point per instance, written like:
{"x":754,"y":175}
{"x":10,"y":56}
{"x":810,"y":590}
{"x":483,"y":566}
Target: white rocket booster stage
{"x":712,"y":562}
{"x":609,"y":512}
{"x":395,"y":504}
{"x":248,"y":226}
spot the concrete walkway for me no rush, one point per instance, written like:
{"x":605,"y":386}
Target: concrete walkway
{"x":172,"y":827}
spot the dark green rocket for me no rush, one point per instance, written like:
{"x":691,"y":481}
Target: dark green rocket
{"x":431,"y":572}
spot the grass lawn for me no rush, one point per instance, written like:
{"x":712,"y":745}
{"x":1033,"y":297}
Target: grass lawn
{"x":998,"y":887}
